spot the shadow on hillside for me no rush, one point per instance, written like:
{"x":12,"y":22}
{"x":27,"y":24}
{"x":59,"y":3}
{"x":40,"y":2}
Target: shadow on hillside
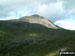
{"x":26,"y":39}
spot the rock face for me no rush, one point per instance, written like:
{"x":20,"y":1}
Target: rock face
{"x":39,"y":20}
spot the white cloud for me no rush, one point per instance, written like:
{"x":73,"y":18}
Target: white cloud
{"x":72,"y":11}
{"x":66,"y":23}
{"x":46,"y":8}
{"x":51,"y":9}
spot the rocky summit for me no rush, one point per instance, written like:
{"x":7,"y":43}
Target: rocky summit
{"x":38,"y":20}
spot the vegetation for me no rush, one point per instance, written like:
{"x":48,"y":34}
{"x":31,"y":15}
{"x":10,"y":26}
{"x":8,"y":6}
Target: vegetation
{"x":19,"y":38}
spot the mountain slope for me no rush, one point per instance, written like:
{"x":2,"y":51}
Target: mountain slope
{"x":22,"y":38}
{"x":38,"y":19}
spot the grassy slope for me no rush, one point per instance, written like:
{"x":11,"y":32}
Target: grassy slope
{"x":25,"y":39}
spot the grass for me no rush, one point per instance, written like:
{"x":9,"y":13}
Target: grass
{"x":26,"y":39}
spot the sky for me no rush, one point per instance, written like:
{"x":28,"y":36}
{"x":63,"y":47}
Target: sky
{"x":61,"y":12}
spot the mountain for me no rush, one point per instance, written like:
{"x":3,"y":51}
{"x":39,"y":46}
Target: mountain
{"x":28,"y":37}
{"x":38,"y":19}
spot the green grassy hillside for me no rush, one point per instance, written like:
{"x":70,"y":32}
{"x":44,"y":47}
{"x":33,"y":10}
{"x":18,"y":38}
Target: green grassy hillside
{"x":19,"y":38}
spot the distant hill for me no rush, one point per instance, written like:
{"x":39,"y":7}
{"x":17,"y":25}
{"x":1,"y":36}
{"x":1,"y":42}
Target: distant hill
{"x":34,"y":36}
{"x":38,"y":19}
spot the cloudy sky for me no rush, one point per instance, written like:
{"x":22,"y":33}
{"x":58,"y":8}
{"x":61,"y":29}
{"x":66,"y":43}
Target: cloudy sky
{"x":61,"y":12}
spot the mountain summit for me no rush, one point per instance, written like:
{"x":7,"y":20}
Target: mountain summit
{"x":39,"y":20}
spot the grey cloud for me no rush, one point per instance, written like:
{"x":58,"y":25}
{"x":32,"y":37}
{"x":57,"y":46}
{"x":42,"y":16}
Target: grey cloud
{"x":69,"y":4}
{"x":7,"y":6}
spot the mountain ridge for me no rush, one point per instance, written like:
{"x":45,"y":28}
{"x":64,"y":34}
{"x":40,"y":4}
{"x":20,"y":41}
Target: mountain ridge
{"x":38,"y":19}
